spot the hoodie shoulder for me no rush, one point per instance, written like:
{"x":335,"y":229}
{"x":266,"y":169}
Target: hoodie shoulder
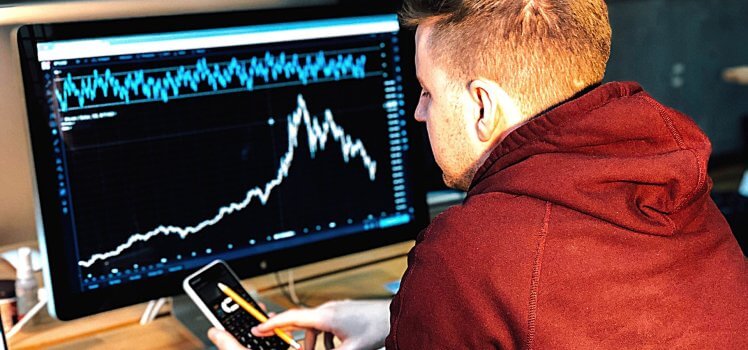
{"x":482,"y":214}
{"x":472,"y":265}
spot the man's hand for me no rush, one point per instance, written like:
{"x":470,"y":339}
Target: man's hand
{"x":358,"y":324}
{"x":224,"y":340}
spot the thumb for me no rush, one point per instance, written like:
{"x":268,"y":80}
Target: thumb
{"x":349,"y":345}
{"x":224,"y":340}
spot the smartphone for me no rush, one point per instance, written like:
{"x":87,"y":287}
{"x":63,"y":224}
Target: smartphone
{"x":224,"y":313}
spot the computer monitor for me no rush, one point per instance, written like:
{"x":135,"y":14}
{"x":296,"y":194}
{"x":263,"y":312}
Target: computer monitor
{"x":268,"y":139}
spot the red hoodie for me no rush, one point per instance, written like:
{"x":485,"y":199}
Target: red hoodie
{"x":589,"y":227}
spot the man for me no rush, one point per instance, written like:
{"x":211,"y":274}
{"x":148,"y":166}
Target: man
{"x":588,"y":221}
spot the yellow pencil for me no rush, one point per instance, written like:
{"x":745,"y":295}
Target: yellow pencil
{"x":256,"y":314}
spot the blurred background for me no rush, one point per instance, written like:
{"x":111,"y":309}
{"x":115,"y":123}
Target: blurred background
{"x":678,"y":50}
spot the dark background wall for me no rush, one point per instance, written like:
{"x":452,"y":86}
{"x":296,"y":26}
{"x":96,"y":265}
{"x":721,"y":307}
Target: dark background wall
{"x":677,"y":50}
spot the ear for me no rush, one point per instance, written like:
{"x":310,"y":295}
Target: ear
{"x":496,"y":112}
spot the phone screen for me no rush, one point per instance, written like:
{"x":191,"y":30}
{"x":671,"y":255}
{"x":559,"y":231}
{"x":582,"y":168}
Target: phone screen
{"x":234,"y":319}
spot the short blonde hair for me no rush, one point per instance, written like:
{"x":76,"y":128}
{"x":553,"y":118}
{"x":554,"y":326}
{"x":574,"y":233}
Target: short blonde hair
{"x":541,"y":52}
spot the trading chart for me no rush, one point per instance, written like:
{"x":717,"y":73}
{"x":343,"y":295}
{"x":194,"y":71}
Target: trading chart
{"x":167,"y":159}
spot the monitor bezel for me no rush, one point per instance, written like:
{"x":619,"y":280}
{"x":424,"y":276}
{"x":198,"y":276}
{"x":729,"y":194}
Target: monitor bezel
{"x":59,"y":274}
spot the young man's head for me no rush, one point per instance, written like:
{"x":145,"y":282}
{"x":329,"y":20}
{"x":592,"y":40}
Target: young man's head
{"x":486,"y":66}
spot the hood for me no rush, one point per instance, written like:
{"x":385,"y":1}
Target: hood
{"x":613,"y":153}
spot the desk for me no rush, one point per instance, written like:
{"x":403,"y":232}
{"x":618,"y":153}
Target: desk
{"x":119,"y":329}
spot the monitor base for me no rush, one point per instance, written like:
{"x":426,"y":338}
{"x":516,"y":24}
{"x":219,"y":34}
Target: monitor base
{"x":184,"y":310}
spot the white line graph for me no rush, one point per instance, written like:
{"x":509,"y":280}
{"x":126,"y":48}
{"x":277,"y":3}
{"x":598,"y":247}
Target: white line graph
{"x":318,"y":134}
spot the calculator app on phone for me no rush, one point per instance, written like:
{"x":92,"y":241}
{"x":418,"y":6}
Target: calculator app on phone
{"x":224,"y":312}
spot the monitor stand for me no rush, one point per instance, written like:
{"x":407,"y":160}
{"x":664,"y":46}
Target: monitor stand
{"x":186,"y":312}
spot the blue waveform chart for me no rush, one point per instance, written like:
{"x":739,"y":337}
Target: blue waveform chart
{"x":107,"y":87}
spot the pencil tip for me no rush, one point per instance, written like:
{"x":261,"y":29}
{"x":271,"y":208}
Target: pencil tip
{"x":221,"y":286}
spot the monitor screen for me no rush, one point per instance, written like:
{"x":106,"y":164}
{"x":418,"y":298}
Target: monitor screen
{"x":268,"y":139}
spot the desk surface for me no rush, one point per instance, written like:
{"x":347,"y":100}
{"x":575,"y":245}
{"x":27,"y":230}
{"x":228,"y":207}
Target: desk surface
{"x":119,"y":329}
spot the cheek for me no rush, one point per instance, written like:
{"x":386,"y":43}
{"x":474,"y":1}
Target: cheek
{"x":440,"y":136}
{"x":433,"y":139}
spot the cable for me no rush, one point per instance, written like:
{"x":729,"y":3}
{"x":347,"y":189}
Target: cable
{"x":147,"y":313}
{"x":159,"y":304}
{"x":288,"y":289}
{"x":292,"y":288}
{"x":151,"y":311}
{"x":29,"y":315}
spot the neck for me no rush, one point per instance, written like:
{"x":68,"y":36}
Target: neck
{"x":570,"y":98}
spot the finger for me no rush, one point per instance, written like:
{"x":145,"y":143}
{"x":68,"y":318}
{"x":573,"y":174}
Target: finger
{"x":224,"y":340}
{"x":258,"y":333}
{"x":345,"y":346}
{"x":296,"y":318}
{"x":270,"y":333}
{"x":263,"y":306}
{"x":310,"y":339}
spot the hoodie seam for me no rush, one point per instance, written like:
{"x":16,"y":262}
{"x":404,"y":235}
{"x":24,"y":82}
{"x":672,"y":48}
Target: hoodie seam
{"x":535,"y":279}
{"x":668,"y":122}
{"x":404,"y":288}
{"x":681,"y":144}
{"x":699,"y":182}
